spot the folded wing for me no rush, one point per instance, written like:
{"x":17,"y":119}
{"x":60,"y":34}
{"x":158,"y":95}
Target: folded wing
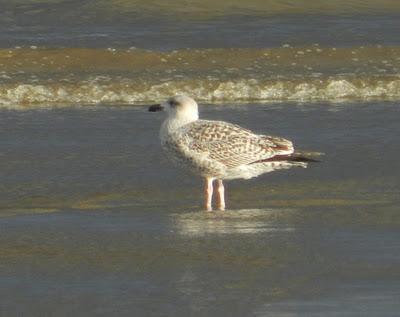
{"x":230,"y":144}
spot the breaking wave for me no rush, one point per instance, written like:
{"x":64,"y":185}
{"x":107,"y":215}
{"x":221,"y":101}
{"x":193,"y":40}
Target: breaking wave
{"x":32,"y":77}
{"x":334,"y":90}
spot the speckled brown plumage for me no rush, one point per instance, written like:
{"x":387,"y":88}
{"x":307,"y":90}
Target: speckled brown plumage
{"x":215,"y":148}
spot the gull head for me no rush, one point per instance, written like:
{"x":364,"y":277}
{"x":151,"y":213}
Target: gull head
{"x":182,"y":108}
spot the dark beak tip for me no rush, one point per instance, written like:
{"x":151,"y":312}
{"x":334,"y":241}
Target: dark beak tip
{"x":155,"y":108}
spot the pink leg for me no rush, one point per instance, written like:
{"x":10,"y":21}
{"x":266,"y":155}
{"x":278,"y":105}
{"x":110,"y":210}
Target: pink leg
{"x":220,"y":195}
{"x":208,"y":193}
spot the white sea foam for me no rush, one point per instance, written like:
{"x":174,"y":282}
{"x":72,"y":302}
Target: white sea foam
{"x":332,"y":90}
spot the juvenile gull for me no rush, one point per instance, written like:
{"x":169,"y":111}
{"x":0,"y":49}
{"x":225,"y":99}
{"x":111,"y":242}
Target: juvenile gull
{"x":218,"y":150}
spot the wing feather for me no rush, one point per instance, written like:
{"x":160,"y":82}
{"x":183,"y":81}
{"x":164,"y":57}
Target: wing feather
{"x":230,"y":144}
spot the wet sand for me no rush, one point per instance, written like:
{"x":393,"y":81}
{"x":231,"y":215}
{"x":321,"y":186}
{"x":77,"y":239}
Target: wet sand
{"x":94,"y":221}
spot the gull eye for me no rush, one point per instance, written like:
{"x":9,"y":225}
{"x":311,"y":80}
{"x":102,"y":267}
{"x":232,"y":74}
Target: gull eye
{"x":173,"y":103}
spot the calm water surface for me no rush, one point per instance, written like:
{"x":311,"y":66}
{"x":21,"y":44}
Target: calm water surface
{"x":95,"y":222}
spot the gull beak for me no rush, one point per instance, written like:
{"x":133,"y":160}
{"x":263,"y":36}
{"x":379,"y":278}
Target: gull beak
{"x":155,"y":108}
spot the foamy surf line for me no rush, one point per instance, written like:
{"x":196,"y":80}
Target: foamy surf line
{"x":330,"y":90}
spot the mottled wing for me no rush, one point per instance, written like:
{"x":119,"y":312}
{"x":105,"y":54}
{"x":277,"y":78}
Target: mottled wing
{"x":231,"y":144}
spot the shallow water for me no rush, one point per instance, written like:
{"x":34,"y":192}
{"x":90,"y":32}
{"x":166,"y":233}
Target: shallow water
{"x":96,"y":222}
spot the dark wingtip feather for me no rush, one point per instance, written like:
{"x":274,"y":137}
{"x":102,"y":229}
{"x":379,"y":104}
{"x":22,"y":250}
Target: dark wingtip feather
{"x":304,"y":156}
{"x":301,"y":158}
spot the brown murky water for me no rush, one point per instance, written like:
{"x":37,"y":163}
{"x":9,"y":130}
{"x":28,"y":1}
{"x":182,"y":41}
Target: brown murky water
{"x":37,"y":78}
